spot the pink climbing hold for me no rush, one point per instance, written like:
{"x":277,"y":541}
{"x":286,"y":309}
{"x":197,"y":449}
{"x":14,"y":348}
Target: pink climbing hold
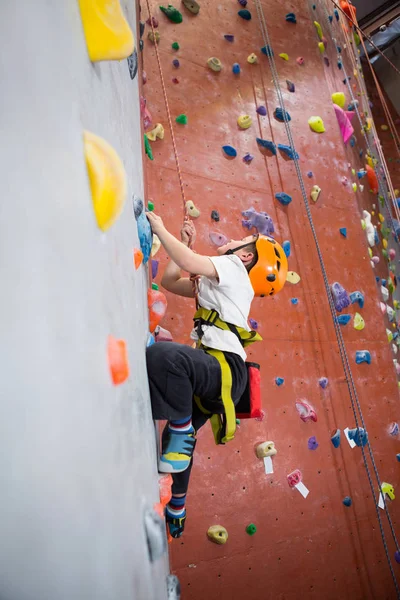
{"x":218,"y":239}
{"x":300,"y":60}
{"x":392,"y":253}
{"x":306,"y":411}
{"x":343,"y":118}
{"x":162,"y":335}
{"x":145,"y":113}
{"x":294,"y":478}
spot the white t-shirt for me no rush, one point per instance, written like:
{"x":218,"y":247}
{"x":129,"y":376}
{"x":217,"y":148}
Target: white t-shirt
{"x":231,"y":296}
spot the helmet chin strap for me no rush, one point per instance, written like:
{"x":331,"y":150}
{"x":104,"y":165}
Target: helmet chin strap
{"x":233,"y":250}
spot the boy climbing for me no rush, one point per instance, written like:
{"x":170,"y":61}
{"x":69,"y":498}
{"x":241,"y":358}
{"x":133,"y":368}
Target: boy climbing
{"x":190,"y":385}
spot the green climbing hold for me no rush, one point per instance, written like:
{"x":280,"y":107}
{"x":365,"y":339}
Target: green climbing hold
{"x":251,"y":529}
{"x":182,"y":119}
{"x":175,"y":46}
{"x":172,"y":13}
{"x":154,"y":286}
{"x":237,"y":421}
{"x":150,"y":206}
{"x":147,"y":148}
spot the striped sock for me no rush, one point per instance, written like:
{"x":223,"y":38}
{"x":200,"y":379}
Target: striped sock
{"x":181,"y":425}
{"x":176,"y":507}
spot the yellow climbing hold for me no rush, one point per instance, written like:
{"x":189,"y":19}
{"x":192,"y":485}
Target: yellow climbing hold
{"x":368,"y":124}
{"x":252,"y":58}
{"x":319,"y":30}
{"x":191,"y":210}
{"x":354,"y":186}
{"x":321,"y":47}
{"x":384,"y":127}
{"x":284,"y":56}
{"x":384,"y":243}
{"x":381,"y":217}
{"x":244,"y":121}
{"x":339,"y":98}
{"x":388,"y":489}
{"x":156,"y":245}
{"x":107,"y":33}
{"x":353,"y":171}
{"x":389,"y":335}
{"x":214,"y":64}
{"x":315,"y":192}
{"x":359,"y":322}
{"x":316,"y":124}
{"x":292,"y":277}
{"x":107,"y":179}
{"x":157,"y":132}
{"x":217,"y":534}
{"x":370,"y":252}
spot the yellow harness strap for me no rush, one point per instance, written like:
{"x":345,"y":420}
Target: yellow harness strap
{"x":211,"y":317}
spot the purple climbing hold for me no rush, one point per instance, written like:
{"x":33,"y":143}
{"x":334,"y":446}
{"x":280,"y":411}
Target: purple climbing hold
{"x":215,"y":215}
{"x":323,"y":382}
{"x":397,"y":556}
{"x":229,"y":37}
{"x":290,"y":86}
{"x":176,"y":63}
{"x":242,"y":2}
{"x":218,"y":239}
{"x":247,"y":158}
{"x":341,"y":298}
{"x":310,"y":174}
{"x":267,"y":145}
{"x":326,"y":61}
{"x":154,"y":268}
{"x":312,"y":443}
{"x":259,"y":220}
{"x":261,"y":110}
{"x":253,"y":324}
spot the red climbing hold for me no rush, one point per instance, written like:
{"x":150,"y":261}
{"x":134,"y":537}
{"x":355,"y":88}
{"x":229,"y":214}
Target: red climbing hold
{"x":117,"y":360}
{"x":157,"y":304}
{"x":372,"y":179}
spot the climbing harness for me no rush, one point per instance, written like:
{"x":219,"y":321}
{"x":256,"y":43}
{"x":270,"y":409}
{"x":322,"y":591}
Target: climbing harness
{"x":224,"y":425}
{"x":342,"y":349}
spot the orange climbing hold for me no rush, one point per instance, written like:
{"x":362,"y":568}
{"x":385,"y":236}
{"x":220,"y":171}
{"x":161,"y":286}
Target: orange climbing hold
{"x":117,"y":360}
{"x":157,"y":304}
{"x":108,"y":35}
{"x":372,"y":179}
{"x":137,"y":257}
{"x":164,"y":485}
{"x":350,"y":11}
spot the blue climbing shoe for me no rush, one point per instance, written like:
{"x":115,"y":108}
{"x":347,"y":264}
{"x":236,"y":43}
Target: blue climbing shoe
{"x":175,"y":525}
{"x":177,"y":452}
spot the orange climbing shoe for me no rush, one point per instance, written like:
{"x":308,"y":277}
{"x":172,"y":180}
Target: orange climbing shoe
{"x":107,"y":33}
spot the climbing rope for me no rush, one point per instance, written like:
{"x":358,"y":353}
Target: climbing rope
{"x":366,"y":36}
{"x":342,"y":350}
{"x":178,"y":168}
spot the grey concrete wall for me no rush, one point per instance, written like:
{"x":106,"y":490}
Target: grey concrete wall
{"x":388,"y":78}
{"x":77,"y":455}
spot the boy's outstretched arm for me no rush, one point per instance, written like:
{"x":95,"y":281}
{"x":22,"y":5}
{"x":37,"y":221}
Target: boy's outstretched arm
{"x":181,"y":255}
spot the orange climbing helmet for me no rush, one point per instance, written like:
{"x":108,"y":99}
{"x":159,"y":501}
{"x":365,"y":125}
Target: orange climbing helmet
{"x":268,"y":276}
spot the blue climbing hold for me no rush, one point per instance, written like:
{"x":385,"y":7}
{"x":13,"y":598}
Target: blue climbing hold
{"x":336,"y":13}
{"x":267,"y":144}
{"x":283,"y":198}
{"x":288,"y":150}
{"x":363,"y":356}
{"x":398,"y":457}
{"x":384,"y":282}
{"x":361,"y":173}
{"x":294,"y":301}
{"x":377,"y":279}
{"x":335,"y":438}
{"x":267,"y":51}
{"x":144,"y":230}
{"x":309,"y":174}
{"x":352,"y":141}
{"x":176,"y":63}
{"x":291,"y":18}
{"x":150,"y":340}
{"x":347,"y":501}
{"x":229,"y":37}
{"x":339,"y":49}
{"x":330,"y":18}
{"x":376,"y":237}
{"x":286,"y":248}
{"x":229,"y":151}
{"x":357,"y":297}
{"x":261,"y":110}
{"x":343,"y":319}
{"x":314,"y":7}
{"x":281,"y":115}
{"x":343,"y":231}
{"x":236,"y":68}
{"x":279,"y":381}
{"x":339,"y":64}
{"x":323,"y":382}
{"x":358,"y":435}
{"x":245,"y":14}
{"x":361,"y":153}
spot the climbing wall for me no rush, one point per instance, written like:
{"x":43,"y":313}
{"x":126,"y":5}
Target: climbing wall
{"x":77,"y":461}
{"x":314,"y":546}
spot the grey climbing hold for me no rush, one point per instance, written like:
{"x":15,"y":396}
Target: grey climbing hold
{"x":363,"y":356}
{"x":173,"y":588}
{"x":267,"y":144}
{"x":281,"y":115}
{"x":335,"y":438}
{"x":290,"y":86}
{"x":283,"y":198}
{"x":215,"y":215}
{"x":155,"y":534}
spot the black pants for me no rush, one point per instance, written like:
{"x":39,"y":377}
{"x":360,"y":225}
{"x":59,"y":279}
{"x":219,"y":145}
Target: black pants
{"x":176,"y":374}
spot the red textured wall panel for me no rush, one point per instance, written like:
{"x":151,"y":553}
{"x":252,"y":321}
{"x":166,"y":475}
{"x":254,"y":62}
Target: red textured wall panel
{"x":313,"y":546}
